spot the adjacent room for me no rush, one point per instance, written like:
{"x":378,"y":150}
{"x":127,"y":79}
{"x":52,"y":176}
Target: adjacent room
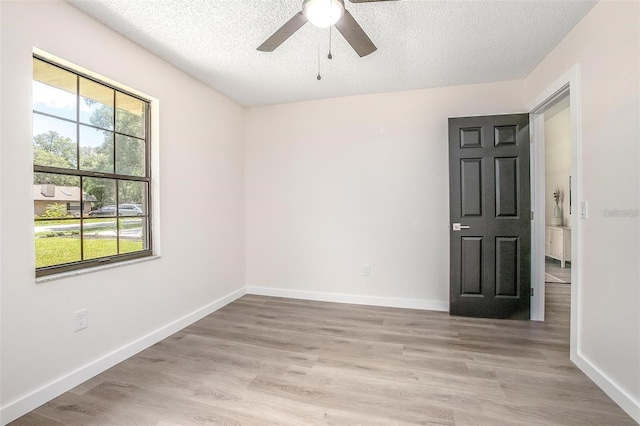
{"x":559,"y":208}
{"x":398,"y":212}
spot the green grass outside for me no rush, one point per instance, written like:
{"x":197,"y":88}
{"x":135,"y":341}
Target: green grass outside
{"x":124,"y":224}
{"x":56,"y":251}
{"x":77,"y":221}
{"x":69,"y":221}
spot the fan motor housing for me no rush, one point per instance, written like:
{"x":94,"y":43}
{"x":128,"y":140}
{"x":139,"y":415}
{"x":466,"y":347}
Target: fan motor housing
{"x":323,"y":13}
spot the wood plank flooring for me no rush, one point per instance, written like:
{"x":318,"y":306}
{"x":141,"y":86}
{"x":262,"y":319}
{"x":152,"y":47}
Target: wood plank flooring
{"x":552,"y":266}
{"x":268,"y":361}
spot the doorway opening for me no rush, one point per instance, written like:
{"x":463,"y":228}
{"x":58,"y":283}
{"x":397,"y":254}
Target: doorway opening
{"x":557,"y":193}
{"x":556,"y":172}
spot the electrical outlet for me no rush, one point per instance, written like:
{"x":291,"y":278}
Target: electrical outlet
{"x":81,"y":319}
{"x":366,"y":270}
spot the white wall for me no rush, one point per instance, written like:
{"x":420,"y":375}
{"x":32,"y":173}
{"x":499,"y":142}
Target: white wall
{"x":335,"y":184}
{"x":329,"y":185}
{"x":201,"y":175}
{"x":606,"y":45}
{"x":557,"y":159}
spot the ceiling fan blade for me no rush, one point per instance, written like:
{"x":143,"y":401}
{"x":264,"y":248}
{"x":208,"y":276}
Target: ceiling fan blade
{"x":355,"y":35}
{"x":367,"y":1}
{"x":283,"y":33}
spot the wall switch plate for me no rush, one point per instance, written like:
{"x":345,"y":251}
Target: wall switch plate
{"x":584,"y":212}
{"x":81,"y":319}
{"x":366,"y":270}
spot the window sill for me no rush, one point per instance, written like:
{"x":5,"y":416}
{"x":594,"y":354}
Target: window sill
{"x":63,"y":275}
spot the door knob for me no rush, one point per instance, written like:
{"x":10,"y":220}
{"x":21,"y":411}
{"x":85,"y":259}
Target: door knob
{"x":458,"y":227}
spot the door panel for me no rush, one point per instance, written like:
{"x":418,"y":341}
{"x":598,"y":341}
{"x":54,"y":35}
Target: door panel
{"x":506,"y":187}
{"x":471,"y":266}
{"x":506,"y":266}
{"x":471,"y":187}
{"x":470,"y":138}
{"x":490,"y":194}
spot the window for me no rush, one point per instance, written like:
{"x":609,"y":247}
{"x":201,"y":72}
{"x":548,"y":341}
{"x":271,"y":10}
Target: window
{"x":91,"y":171}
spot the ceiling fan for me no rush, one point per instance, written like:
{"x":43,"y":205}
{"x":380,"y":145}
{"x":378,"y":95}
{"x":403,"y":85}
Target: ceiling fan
{"x":323,"y":14}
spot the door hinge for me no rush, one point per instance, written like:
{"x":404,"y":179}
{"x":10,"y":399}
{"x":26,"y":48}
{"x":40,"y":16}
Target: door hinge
{"x":531,"y":214}
{"x":531,"y":291}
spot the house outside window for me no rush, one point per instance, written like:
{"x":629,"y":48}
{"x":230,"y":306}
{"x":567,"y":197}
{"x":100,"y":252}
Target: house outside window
{"x":92,"y":177}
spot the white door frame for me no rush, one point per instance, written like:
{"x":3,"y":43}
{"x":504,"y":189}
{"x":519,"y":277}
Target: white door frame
{"x":568,"y":83}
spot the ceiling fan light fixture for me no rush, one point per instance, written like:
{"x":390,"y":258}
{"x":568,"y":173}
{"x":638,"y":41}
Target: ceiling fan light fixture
{"x":323,"y":13}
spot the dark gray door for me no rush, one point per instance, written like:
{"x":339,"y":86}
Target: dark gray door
{"x":490,"y":216}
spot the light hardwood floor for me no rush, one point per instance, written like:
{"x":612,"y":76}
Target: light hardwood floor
{"x":266,"y":361}
{"x":552,"y":266}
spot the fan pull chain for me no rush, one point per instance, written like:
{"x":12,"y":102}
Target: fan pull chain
{"x":330,"y":56}
{"x":330,"y":32}
{"x":319,"y":77}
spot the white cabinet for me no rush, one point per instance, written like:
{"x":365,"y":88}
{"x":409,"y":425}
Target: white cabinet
{"x":557,"y":243}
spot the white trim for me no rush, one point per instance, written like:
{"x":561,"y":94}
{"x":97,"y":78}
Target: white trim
{"x":429,"y":305}
{"x":77,"y":272}
{"x":619,"y":396}
{"x":22,"y":406}
{"x":554,"y":91}
{"x":536,"y":121}
{"x":570,"y":81}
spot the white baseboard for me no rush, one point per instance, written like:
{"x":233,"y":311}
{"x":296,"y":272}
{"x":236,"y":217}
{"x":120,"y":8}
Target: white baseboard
{"x":22,"y":406}
{"x":608,"y":386}
{"x":429,"y":305}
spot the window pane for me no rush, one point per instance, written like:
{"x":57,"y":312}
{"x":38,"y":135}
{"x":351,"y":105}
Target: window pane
{"x":54,"y":90}
{"x":54,"y":142}
{"x":54,"y":195}
{"x":95,"y":136}
{"x":57,"y":233}
{"x":130,"y":117}
{"x":55,"y":179}
{"x":96,"y":149}
{"x":133,"y":198}
{"x":133,"y":234}
{"x":88,"y":203}
{"x":96,"y":104}
{"x":100,"y":238}
{"x":103,"y":191}
{"x":130,"y":156}
{"x":57,"y":242}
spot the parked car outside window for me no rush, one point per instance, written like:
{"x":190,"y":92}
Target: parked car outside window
{"x":123,"y":210}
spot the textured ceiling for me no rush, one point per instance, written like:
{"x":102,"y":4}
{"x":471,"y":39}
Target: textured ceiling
{"x":420,"y":43}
